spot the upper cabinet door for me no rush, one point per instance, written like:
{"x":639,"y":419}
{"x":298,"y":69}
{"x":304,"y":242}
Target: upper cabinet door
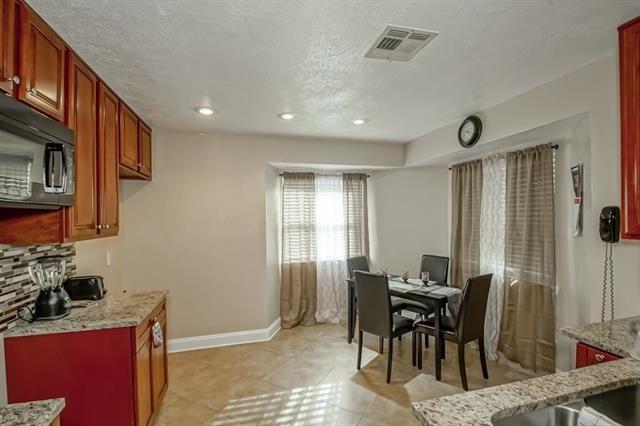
{"x":145,"y":150}
{"x":42,"y":65}
{"x":129,"y":150}
{"x":7,"y":44}
{"x":82,"y":217}
{"x":108,"y":160}
{"x":629,"y":39}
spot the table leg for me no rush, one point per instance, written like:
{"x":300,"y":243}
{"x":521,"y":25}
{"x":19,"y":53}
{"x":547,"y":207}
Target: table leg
{"x":351,"y":320}
{"x":438,"y":345}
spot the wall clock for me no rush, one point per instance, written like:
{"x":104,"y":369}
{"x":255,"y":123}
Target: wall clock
{"x":470,"y":131}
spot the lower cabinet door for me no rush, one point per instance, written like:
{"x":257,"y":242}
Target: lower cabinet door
{"x":144,"y":392}
{"x":160,"y":366}
{"x":588,"y":355}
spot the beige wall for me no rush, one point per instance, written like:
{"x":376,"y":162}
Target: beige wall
{"x":273,"y":233}
{"x":408,"y":216}
{"x":199,"y":228}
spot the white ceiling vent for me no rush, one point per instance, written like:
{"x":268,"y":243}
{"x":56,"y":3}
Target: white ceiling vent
{"x":399,"y":43}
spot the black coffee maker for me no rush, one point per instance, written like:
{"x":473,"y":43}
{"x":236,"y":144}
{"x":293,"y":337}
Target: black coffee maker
{"x":52,"y":302}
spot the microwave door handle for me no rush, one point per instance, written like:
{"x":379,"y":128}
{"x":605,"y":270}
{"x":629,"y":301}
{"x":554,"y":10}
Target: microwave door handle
{"x":63,"y":169}
{"x":56,"y":168}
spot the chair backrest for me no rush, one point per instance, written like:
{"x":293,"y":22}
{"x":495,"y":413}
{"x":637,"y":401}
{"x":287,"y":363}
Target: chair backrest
{"x":374,"y":303}
{"x":436,"y":266}
{"x":473,"y":308}
{"x":358,"y":263}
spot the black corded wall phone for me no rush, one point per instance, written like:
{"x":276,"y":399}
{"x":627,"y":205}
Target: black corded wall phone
{"x":609,"y":233}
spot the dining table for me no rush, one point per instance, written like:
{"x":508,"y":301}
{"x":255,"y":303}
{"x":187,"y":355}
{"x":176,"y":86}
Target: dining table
{"x":430,"y":293}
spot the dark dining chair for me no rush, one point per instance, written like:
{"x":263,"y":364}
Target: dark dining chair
{"x":438,"y":269}
{"x":361,"y":263}
{"x":467,"y":327}
{"x":436,"y":266}
{"x":357,"y":263}
{"x":376,"y":315}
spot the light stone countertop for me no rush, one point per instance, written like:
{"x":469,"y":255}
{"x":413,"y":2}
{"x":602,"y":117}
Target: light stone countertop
{"x":617,"y":337}
{"x":36,"y":413}
{"x":114,"y":311}
{"x":484,"y":406}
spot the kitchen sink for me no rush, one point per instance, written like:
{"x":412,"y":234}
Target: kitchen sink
{"x":560,"y":415}
{"x":620,"y":405}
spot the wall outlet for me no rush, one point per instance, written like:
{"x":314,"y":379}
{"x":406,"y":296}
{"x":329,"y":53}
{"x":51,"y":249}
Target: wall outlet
{"x":108,"y":259}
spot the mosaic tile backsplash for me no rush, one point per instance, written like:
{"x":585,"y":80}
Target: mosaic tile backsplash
{"x":16,"y":288}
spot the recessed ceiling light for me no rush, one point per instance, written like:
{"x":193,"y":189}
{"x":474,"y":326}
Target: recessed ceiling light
{"x":204,"y":110}
{"x":359,"y":121}
{"x":286,"y":115}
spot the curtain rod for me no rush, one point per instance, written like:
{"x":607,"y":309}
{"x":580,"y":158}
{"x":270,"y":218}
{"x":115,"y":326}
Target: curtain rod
{"x":282,"y":174}
{"x":553,"y":146}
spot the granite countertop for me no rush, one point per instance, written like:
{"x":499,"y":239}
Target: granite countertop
{"x":484,"y":406}
{"x":616,"y":337}
{"x":37,"y":413}
{"x":114,"y":311}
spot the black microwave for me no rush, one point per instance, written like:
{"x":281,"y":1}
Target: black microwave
{"x":36,"y":159}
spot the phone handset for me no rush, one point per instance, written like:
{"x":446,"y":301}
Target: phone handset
{"x":609,"y":233}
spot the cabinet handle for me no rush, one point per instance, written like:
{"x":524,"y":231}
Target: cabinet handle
{"x":107,"y":226}
{"x":15,"y":79}
{"x":33,"y":91}
{"x":599,"y":357}
{"x":99,"y":227}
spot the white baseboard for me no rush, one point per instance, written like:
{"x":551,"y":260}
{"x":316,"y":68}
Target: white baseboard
{"x":223,"y":339}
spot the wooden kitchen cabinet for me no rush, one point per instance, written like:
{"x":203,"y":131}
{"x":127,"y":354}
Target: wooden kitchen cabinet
{"x":7,"y":45}
{"x":159,"y":364}
{"x":82,"y":217}
{"x":144,"y":383}
{"x":112,"y":376}
{"x":135,"y":146}
{"x":588,"y":355}
{"x":128,"y":139}
{"x":144,"y":138}
{"x":629,"y":45}
{"x":112,"y":143}
{"x":42,"y":65}
{"x":108,"y":180}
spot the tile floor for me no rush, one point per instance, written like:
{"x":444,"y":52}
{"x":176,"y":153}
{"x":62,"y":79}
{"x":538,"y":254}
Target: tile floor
{"x":308,"y":376}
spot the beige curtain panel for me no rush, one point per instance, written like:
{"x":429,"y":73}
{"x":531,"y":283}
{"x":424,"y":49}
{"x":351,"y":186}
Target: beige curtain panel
{"x":466,"y":193}
{"x":298,"y":290}
{"x":356,"y":225}
{"x":527,"y":333}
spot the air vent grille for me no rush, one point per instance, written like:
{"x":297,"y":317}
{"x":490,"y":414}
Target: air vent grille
{"x":399,"y":43}
{"x":389,"y":43}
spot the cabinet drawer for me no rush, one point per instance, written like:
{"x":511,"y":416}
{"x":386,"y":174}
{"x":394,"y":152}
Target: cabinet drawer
{"x":143,"y":329}
{"x":588,"y":355}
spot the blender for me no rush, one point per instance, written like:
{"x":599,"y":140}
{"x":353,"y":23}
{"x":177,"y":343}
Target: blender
{"x":52,"y":302}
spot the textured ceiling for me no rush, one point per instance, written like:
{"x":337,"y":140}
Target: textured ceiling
{"x":253,"y":59}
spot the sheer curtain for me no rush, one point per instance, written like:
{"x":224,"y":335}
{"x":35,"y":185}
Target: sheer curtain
{"x":298,"y":274}
{"x":492,"y":229}
{"x":331,"y":248}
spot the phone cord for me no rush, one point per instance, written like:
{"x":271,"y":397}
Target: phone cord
{"x":613,"y":311}
{"x":607,"y":280}
{"x":604,"y":282}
